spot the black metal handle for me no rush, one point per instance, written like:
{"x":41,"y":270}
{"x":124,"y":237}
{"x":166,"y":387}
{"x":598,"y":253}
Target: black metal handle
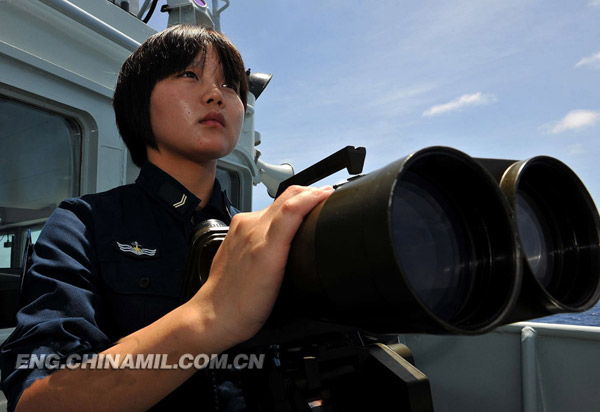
{"x":350,"y":158}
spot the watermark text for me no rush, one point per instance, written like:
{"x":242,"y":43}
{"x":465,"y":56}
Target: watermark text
{"x":156,"y":361}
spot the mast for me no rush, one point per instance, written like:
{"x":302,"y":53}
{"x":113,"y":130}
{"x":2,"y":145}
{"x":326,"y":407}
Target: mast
{"x":216,"y":12}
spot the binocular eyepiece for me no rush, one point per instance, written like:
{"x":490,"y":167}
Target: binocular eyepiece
{"x":440,"y":242}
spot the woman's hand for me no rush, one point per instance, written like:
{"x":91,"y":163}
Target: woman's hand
{"x":248,"y":269}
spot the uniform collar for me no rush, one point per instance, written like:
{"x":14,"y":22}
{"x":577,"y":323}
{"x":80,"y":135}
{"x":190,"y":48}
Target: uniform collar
{"x":173,"y":195}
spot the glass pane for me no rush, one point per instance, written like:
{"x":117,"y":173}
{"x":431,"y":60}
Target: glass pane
{"x":35,"y":234}
{"x":6,"y":242}
{"x":40,"y":155}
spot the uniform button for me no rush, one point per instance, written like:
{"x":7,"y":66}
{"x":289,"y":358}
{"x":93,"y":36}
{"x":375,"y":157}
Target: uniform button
{"x":144,"y":283}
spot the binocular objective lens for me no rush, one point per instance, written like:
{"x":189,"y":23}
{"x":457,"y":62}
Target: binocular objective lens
{"x":532,"y":231}
{"x":430,"y":246}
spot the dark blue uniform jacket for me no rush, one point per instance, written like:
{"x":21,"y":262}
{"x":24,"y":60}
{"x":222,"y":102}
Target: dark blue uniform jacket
{"x":105,"y":266}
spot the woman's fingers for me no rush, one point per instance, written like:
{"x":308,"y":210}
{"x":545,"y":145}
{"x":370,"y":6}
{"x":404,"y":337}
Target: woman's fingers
{"x":248,"y":269}
{"x":288,"y":211}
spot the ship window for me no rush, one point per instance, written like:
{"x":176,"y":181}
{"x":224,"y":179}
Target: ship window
{"x":230,"y":182}
{"x":6,"y":241}
{"x":40,"y":156}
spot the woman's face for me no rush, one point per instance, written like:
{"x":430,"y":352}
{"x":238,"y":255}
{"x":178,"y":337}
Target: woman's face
{"x":194,"y":114}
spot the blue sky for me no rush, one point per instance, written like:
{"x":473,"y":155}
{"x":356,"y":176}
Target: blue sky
{"x":504,"y":79}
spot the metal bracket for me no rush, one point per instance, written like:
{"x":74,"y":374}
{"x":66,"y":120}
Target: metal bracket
{"x":350,"y":158}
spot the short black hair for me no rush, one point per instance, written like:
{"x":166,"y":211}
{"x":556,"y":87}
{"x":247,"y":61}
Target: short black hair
{"x":162,"y":55}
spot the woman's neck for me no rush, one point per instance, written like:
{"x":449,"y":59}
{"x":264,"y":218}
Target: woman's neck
{"x":198,"y":178}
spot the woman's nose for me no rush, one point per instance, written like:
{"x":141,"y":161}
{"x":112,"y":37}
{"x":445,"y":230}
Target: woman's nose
{"x":213,"y":95}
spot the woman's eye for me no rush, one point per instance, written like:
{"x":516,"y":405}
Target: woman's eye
{"x":189,"y":74}
{"x":232,"y":86}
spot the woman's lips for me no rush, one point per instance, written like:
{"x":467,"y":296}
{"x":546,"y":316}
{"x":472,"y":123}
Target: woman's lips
{"x":213,"y":118}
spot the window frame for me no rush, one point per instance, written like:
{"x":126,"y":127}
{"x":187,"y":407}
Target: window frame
{"x":87,"y":153}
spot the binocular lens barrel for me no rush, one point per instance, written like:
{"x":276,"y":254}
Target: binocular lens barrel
{"x":438,"y":242}
{"x":426,"y":237}
{"x":559,"y":230}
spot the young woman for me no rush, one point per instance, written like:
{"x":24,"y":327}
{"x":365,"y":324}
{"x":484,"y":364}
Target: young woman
{"x":108,"y":268}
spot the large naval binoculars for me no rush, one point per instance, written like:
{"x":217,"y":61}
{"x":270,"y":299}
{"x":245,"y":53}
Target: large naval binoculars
{"x":438,"y":242}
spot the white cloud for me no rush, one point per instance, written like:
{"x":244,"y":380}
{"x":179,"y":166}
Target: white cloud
{"x":593,"y":60}
{"x":466,"y":100}
{"x":402,"y":96}
{"x":575,"y":119}
{"x":594,"y":3}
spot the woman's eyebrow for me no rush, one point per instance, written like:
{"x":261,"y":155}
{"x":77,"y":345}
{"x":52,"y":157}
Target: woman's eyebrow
{"x":199,"y":61}
{"x":195,"y":64}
